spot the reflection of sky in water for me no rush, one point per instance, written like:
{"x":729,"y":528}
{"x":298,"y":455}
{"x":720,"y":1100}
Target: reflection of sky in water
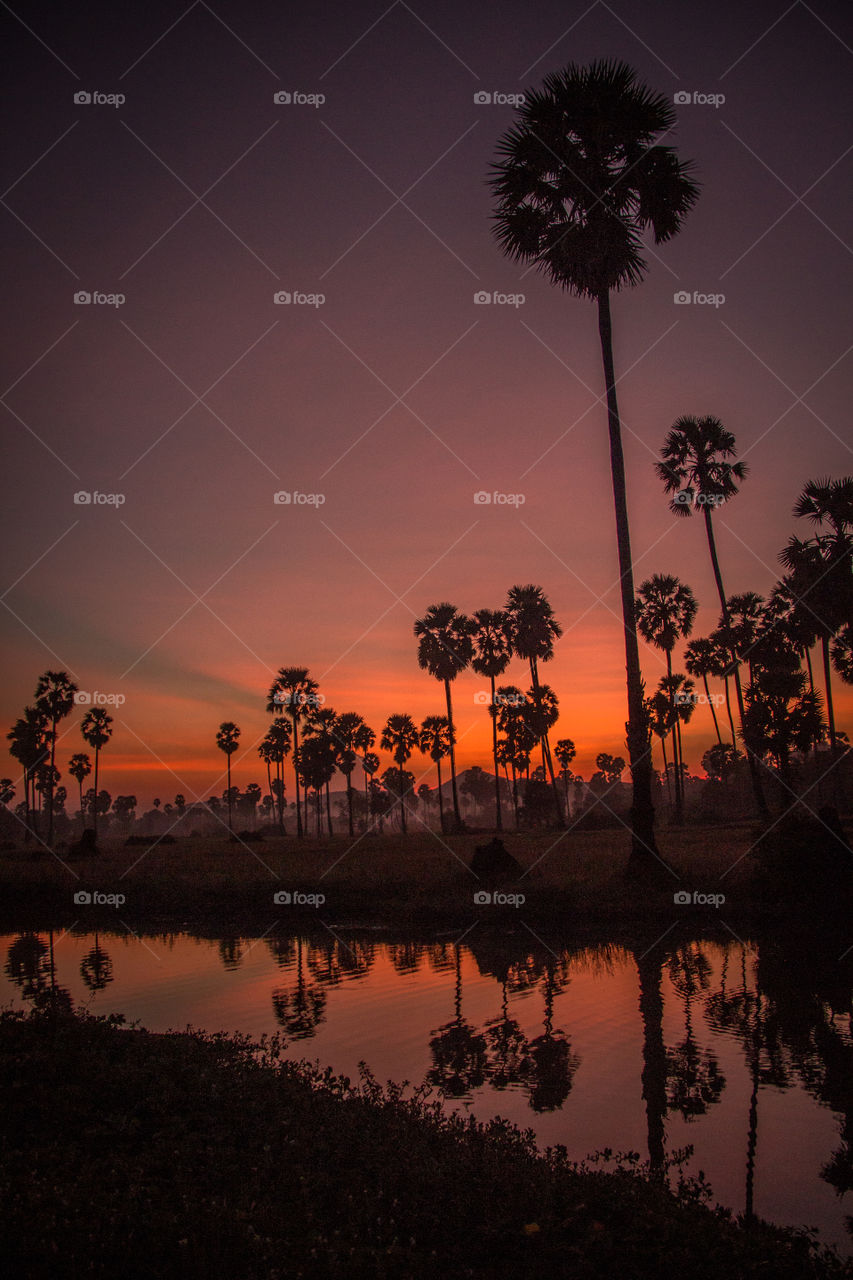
{"x":401,"y":1009}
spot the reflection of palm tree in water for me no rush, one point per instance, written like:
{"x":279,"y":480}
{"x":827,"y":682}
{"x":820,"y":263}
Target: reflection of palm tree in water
{"x":458,"y":1051}
{"x":334,"y":960}
{"x":746,"y":1014}
{"x":507,"y":1048}
{"x":552,"y":1063}
{"x":649,"y":969}
{"x":695,"y":1081}
{"x":301,"y":1010}
{"x":96,"y":968}
{"x":30,"y":964}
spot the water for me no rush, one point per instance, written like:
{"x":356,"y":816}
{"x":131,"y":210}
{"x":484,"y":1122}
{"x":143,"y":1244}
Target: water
{"x":741,"y":1050}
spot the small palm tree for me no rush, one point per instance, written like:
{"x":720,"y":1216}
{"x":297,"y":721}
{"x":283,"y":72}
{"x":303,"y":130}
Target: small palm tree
{"x":435,"y":740}
{"x":701,"y":658}
{"x":227,"y":739}
{"x":492,"y":636}
{"x":30,"y":746}
{"x":581,"y":178}
{"x":400,"y":736}
{"x":565,"y":752}
{"x":55,"y":697}
{"x":97,"y":729}
{"x":294,"y":693}
{"x":534,"y":630}
{"x":80,"y":766}
{"x":350,"y":738}
{"x":322,"y":725}
{"x":445,"y":648}
{"x":665,"y":611}
{"x":369,"y":765}
{"x":696,"y":467}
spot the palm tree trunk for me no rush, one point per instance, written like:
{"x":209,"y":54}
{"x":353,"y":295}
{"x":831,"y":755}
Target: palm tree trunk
{"x":403,"y":800}
{"x":729,"y":710}
{"x":546,"y":747}
{"x":711,"y":705}
{"x":456,"y":815}
{"x":643,"y":846}
{"x":666,"y":768}
{"x":515,"y":793}
{"x":757,"y":788}
{"x":498,"y":816}
{"x":230,"y":827}
{"x":296,"y":772}
{"x":95,"y":800}
{"x":329,"y":810}
{"x":349,"y":803}
{"x":679,"y":797}
{"x":440,"y":797}
{"x":50,"y":785}
{"x":827,"y":679}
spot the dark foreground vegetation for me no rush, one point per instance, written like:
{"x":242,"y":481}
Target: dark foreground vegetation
{"x":134,"y":1154}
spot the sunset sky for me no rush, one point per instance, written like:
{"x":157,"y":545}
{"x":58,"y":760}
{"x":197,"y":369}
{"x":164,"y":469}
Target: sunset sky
{"x":398,"y":398}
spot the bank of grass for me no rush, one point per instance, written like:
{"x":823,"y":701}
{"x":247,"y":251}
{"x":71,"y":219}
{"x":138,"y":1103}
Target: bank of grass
{"x":390,"y":878}
{"x":130,"y":1154}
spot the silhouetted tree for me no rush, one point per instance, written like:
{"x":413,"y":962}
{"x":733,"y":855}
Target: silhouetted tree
{"x":97,"y":729}
{"x":492,"y":636}
{"x":445,"y":648}
{"x":55,"y":697}
{"x":228,"y":739}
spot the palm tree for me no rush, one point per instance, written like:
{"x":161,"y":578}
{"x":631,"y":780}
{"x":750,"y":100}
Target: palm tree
{"x":842,"y":654}
{"x":701,"y":658}
{"x":227,"y":739}
{"x":435,"y":740}
{"x":746,"y":618}
{"x":492,"y":636}
{"x":565,"y":752}
{"x":400,"y":736}
{"x":80,"y":766}
{"x":696,"y":468}
{"x":534,"y":630}
{"x":445,"y":649}
{"x":30,"y":747}
{"x":322,"y":724}
{"x":665,"y":611}
{"x":580,"y":180}
{"x":679,"y":690}
{"x":96,"y":728}
{"x":295,"y":692}
{"x":315,"y":766}
{"x":55,"y":697}
{"x":661,"y":722}
{"x":518,"y":738}
{"x":369,"y":765}
{"x":350,"y":737}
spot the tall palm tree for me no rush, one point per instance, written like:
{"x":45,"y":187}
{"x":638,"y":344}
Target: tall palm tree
{"x":400,"y":736}
{"x":518,"y":740}
{"x":665,"y":611}
{"x":534,"y":630}
{"x":445,"y":648}
{"x":661,"y":723}
{"x":581,"y":179}
{"x":492,"y":636}
{"x":435,"y":741}
{"x":565,"y":752}
{"x":228,"y":739}
{"x":322,"y":724}
{"x":31,"y":748}
{"x":349,"y":735}
{"x":97,"y":729}
{"x":80,"y":766}
{"x":696,"y":467}
{"x":369,"y":765}
{"x":55,"y":696}
{"x":293,"y":692}
{"x":701,"y":658}
{"x":273,"y":749}
{"x":746,"y":619}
